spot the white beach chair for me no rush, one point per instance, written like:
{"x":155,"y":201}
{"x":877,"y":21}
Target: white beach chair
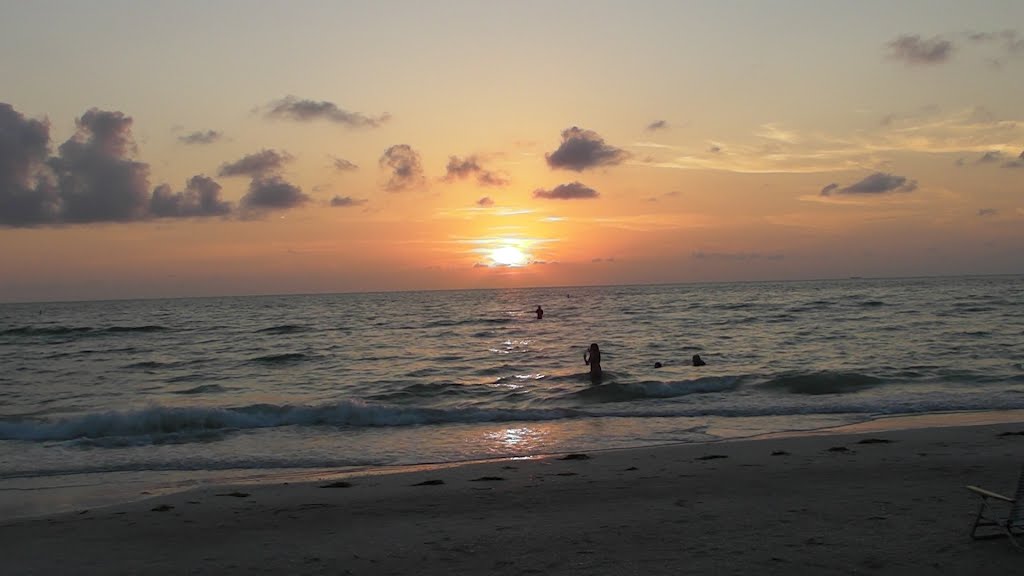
{"x":1012,"y":524}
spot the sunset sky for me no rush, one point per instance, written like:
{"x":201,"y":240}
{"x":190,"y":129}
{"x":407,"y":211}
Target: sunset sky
{"x":191,"y":148}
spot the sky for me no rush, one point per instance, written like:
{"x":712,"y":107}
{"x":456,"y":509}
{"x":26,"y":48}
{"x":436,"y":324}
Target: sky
{"x":202,"y":148}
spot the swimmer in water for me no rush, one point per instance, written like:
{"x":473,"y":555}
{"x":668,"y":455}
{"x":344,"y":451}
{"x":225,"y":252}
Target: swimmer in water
{"x":697,"y":361}
{"x":540,"y":313}
{"x":592,"y":358}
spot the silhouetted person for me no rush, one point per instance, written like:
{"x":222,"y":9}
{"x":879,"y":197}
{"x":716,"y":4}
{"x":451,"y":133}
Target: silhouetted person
{"x":697,"y":361}
{"x":540,"y":313}
{"x":657,"y":364}
{"x":592,"y":358}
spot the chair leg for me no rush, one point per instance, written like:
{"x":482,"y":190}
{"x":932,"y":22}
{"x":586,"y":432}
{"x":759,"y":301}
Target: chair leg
{"x":978,"y":519}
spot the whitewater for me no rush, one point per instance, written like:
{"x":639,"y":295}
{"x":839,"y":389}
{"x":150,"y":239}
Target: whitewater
{"x":108,"y":401}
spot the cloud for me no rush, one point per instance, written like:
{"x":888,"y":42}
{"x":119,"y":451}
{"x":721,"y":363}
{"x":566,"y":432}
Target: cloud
{"x":347,"y":201}
{"x":259,"y":164}
{"x":582,"y":149}
{"x":459,"y":169}
{"x":343,"y":165}
{"x":877,"y":183}
{"x":406,"y":169}
{"x":97,"y":180}
{"x":571,"y":191}
{"x":990,"y":157}
{"x":987,"y":212}
{"x":201,"y":137}
{"x":272,"y":193}
{"x":485,"y":201}
{"x":91,"y":179}
{"x":1018,"y":163}
{"x":657,"y":125}
{"x":27,"y":196}
{"x":1010,"y":41}
{"x":292,"y":108}
{"x":911,"y":49}
{"x":201,"y":197}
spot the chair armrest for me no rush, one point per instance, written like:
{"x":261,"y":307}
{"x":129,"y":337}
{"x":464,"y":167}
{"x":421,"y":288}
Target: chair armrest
{"x":988,"y":494}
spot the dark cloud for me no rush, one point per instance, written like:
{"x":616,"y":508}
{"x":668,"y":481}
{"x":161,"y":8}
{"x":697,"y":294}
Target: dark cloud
{"x":571,"y":191}
{"x":343,"y":165}
{"x":990,"y":157}
{"x":877,"y":183}
{"x":201,"y":197}
{"x":292,"y":108}
{"x":200,"y":137}
{"x":272,"y":193}
{"x":715,"y":149}
{"x":97,"y":180}
{"x":987,"y":212}
{"x":458,"y":169}
{"x":910,"y":48}
{"x":27,"y":194}
{"x":92,"y":178}
{"x":347,"y":201}
{"x":582,"y":149}
{"x":406,"y":169}
{"x":259,"y":164}
{"x":485,"y":201}
{"x":657,"y":125}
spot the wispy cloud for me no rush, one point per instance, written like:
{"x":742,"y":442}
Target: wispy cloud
{"x":201,"y":137}
{"x":461,"y":168}
{"x":347,"y":201}
{"x":257,"y":164}
{"x":877,"y":183}
{"x":912,"y":49}
{"x":657,"y":125}
{"x":570,"y":191}
{"x":303,"y":110}
{"x":342,"y":165}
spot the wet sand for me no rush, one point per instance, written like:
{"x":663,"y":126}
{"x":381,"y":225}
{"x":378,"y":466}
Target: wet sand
{"x":873,"y":499}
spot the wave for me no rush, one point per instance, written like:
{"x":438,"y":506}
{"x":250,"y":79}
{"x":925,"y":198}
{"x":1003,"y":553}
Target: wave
{"x":624,"y":392}
{"x":160,"y":425}
{"x":284,"y":329}
{"x":168,"y":424}
{"x":468,"y":322}
{"x":825,"y":382}
{"x":66,"y":330}
{"x":204,"y":389}
{"x":287,"y":358}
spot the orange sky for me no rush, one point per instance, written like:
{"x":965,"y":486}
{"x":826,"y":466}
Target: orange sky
{"x":397,"y":146}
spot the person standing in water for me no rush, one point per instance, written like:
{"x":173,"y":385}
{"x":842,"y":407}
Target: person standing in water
{"x":540,"y":313}
{"x":592,"y":358}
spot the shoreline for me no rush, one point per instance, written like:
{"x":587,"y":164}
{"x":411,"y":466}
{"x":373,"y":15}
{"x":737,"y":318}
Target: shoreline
{"x":866,"y":501}
{"x":179,"y":482}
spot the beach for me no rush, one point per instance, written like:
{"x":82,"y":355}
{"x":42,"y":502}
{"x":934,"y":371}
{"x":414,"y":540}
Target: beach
{"x":882,"y":497}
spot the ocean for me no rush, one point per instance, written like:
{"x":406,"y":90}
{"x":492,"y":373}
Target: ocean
{"x":103,"y":402}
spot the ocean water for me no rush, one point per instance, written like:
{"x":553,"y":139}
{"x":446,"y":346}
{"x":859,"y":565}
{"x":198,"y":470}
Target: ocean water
{"x":107,"y":401}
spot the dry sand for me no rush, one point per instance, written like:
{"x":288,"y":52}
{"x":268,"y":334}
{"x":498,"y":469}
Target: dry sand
{"x":868,"y":500}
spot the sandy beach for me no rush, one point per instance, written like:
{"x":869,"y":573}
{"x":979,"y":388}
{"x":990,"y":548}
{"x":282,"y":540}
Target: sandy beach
{"x":873,"y":499}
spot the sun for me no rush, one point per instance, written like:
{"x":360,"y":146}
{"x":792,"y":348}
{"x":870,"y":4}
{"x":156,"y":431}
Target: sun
{"x":508,"y":256}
